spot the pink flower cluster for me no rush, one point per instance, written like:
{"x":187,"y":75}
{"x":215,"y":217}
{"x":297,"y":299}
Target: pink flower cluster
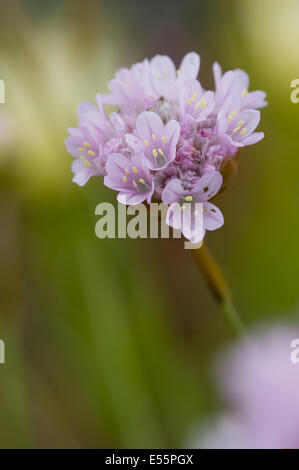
{"x":170,"y":138}
{"x":259,"y":378}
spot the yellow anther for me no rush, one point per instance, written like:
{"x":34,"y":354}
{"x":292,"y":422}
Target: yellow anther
{"x":196,"y":212}
{"x":134,"y":169}
{"x":240,"y":123}
{"x":183,"y":208}
{"x":178,"y":72}
{"x":155,"y":153}
{"x":91,"y":152}
{"x":197,"y":105}
{"x":236,"y":129}
{"x":244,"y":92}
{"x":82,"y":149}
{"x":125,"y":179}
{"x":134,"y":184}
{"x":87,"y":144}
{"x":164,"y":139}
{"x":165,"y":70}
{"x":158,"y":75}
{"x":190,"y":100}
{"x":203,"y":103}
{"x":231,"y":115}
{"x":141,"y":180}
{"x":146,"y":142}
{"x":127,"y":171}
{"x":243,"y":131}
{"x":161,"y":152}
{"x":154,"y":137}
{"x":188,"y":198}
{"x":87,"y":163}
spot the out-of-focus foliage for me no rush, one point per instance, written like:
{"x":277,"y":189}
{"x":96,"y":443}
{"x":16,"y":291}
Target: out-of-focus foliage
{"x":108,"y":342}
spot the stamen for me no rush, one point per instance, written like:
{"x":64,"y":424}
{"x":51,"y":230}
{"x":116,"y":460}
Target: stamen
{"x":244,"y":92}
{"x":240,"y":123}
{"x":161,"y":152}
{"x":84,"y":160}
{"x":236,"y":129}
{"x":141,"y":180}
{"x":183,"y":208}
{"x":82,"y":149}
{"x":154,"y":137}
{"x":155,"y":153}
{"x":164,"y":139}
{"x":195,"y":212}
{"x":87,"y":144}
{"x":203,"y":103}
{"x":134,"y":184}
{"x":158,"y":75}
{"x":178,"y":72}
{"x":165,"y":70}
{"x":243,"y":131}
{"x":231,"y":115}
{"x":188,"y":198}
{"x":91,"y":152}
{"x":125,"y":179}
{"x":127,"y":171}
{"x":197,"y":105}
{"x":192,"y":98}
{"x":134,"y":169}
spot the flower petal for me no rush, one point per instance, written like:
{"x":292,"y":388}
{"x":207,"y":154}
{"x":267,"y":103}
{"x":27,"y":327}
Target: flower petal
{"x":208,"y":185}
{"x":149,"y":123}
{"x":189,"y":67}
{"x":172,"y":191}
{"x":212,"y":216}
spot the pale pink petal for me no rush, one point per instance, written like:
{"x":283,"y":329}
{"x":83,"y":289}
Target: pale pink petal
{"x":212,"y":216}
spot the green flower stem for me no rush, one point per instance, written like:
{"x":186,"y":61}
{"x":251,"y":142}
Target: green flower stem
{"x":232,"y":317}
{"x":218,"y":286}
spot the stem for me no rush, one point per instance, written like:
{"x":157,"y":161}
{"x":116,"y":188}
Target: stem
{"x":233,"y":317}
{"x":218,"y":286}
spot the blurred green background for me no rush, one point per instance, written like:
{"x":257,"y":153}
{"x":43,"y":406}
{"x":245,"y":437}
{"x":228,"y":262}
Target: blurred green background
{"x":109,"y":343}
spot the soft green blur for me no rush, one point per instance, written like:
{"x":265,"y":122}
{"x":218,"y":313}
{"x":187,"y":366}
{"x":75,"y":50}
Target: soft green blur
{"x":109,"y":343}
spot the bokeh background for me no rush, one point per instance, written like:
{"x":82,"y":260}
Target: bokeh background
{"x":109,"y":343}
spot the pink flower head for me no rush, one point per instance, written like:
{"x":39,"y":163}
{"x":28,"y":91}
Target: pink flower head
{"x":171,"y":129}
{"x":156,"y":140}
{"x":92,"y":139}
{"x":236,"y":83}
{"x":129,"y":176}
{"x":195,"y":102}
{"x":127,"y":84}
{"x":166,"y":79}
{"x":238,"y":127}
{"x":205,"y":188}
{"x":261,"y":386}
